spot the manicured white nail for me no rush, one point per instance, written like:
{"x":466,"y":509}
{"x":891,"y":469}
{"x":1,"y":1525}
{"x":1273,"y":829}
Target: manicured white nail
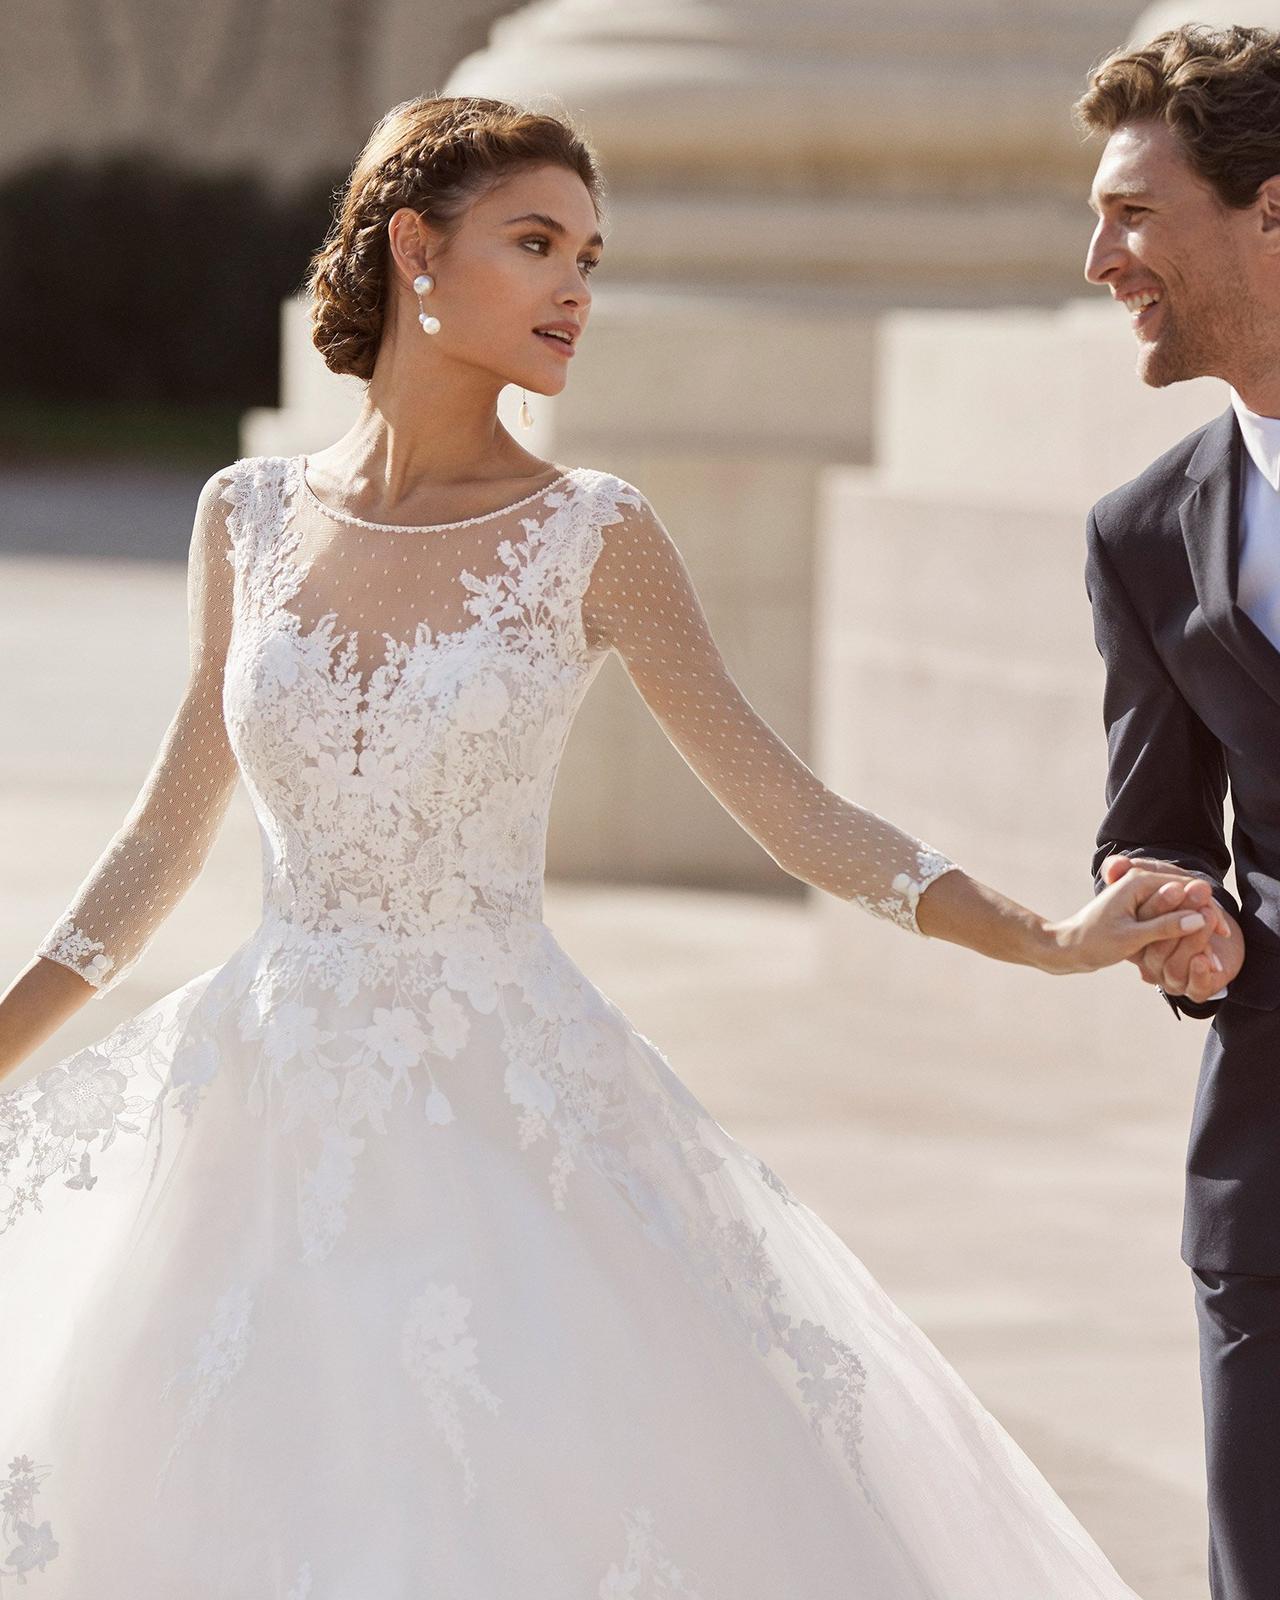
{"x":1191,"y":922}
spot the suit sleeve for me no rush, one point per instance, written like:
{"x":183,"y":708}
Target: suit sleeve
{"x":1166,"y":772}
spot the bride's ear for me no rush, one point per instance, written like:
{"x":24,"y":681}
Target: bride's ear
{"x":412,"y":243}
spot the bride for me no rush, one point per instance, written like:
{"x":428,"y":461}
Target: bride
{"x":386,"y":1259}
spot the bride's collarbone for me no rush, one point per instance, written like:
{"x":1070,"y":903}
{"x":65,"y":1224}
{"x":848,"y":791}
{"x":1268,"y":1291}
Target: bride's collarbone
{"x":446,"y":502}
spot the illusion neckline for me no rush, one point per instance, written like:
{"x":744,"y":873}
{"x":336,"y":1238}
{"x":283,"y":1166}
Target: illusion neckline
{"x":300,"y":471}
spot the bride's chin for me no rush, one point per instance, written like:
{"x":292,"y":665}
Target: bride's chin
{"x":547,"y":391}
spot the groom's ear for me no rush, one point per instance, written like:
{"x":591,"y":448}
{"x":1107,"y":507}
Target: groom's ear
{"x":1268,"y":204}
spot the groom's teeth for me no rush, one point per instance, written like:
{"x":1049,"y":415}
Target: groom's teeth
{"x":1139,"y":302}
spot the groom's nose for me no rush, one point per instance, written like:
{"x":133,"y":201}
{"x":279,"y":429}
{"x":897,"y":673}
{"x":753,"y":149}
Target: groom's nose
{"x":1105,"y":254}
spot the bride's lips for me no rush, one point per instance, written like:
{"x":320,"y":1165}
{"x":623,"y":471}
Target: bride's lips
{"x":561,"y":345}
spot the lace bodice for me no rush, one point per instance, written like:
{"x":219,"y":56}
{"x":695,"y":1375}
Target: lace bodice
{"x":397,"y":700}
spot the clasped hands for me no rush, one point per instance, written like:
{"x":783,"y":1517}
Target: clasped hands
{"x":1195,"y":965}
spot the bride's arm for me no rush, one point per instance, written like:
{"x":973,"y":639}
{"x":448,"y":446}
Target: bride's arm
{"x":163,"y":841}
{"x":641,"y":602}
{"x":1106,"y":930}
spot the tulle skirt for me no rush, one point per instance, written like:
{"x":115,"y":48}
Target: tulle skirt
{"x":464,"y":1296}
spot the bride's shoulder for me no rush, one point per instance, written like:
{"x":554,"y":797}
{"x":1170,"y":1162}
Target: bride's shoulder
{"x":242,"y":471}
{"x":612,"y":496}
{"x":218,"y":491}
{"x":624,"y":528}
{"x":234,"y":500}
{"x":249,"y":485}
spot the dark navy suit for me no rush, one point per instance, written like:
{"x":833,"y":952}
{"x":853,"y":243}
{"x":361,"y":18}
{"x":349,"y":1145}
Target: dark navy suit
{"x":1192,"y":707}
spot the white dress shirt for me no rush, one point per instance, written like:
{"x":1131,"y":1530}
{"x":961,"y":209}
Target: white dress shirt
{"x":1258,"y":591}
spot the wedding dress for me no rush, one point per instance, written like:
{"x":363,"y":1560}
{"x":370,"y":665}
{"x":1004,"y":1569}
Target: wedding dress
{"x":387,"y":1260}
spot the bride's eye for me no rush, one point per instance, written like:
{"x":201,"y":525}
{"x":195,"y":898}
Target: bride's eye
{"x":590,"y":263}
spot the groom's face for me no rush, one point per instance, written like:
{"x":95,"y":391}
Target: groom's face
{"x":1171,"y":253}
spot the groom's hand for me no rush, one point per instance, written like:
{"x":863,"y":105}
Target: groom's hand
{"x":1200,"y":964}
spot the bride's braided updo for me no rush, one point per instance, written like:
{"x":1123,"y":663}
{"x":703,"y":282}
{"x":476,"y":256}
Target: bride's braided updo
{"x":436,"y":154}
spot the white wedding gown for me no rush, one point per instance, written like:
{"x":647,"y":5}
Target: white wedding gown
{"x":387,"y":1260}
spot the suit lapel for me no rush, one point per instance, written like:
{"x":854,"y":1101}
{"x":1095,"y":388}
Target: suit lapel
{"x":1210,"y":517}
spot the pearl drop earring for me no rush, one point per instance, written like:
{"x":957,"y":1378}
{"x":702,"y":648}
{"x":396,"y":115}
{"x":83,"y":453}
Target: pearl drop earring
{"x":526,"y":416}
{"x":424,"y":283}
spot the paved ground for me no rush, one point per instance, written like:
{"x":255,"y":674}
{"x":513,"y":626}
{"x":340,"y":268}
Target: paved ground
{"x":1019,"y":1198}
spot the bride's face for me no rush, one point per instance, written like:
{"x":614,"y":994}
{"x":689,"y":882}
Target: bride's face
{"x":521,"y":259}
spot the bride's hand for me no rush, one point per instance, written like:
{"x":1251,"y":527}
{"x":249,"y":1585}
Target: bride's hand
{"x":1109,"y":929}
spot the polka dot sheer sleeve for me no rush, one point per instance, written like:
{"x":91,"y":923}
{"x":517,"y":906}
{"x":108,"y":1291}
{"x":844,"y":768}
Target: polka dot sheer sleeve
{"x":162,"y":843}
{"x":640,"y":602}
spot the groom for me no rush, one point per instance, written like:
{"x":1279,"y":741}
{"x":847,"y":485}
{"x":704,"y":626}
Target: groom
{"x":1183,"y":573}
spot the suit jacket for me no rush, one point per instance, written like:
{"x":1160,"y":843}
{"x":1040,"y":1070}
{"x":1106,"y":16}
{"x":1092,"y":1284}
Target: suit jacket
{"x":1192,"y":699}
{"x":1192,"y":707}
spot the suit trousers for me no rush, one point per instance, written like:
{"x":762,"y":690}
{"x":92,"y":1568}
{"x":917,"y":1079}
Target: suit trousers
{"x":1239,"y":1320}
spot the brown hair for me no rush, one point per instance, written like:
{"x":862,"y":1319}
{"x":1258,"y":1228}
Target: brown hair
{"x":437,"y":154}
{"x":1218,"y":90}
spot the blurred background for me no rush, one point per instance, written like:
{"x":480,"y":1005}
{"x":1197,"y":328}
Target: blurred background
{"x":842,"y":340}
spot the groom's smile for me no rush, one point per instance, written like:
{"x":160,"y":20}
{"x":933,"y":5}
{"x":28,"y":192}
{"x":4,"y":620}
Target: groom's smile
{"x":1143,"y":306}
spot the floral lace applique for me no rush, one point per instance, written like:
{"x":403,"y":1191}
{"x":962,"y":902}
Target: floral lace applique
{"x":301,"y":1584}
{"x":220,"y":1354}
{"x":337,"y":1086}
{"x":769,"y":1176}
{"x":69,"y":944}
{"x":565,"y":1075}
{"x":35,"y":1545}
{"x":647,"y":1571}
{"x":440,"y":1356}
{"x":902,"y":904}
{"x":53,"y":1124}
{"x":447,"y":797}
{"x":650,"y":1144}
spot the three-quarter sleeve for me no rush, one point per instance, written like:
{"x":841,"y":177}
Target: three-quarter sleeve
{"x":641,"y":603}
{"x":162,"y":843}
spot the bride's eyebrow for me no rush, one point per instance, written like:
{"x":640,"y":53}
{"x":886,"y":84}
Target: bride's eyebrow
{"x":551,"y":224}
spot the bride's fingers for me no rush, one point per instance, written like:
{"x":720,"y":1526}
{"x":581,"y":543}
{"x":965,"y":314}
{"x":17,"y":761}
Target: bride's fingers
{"x":1171,"y":925}
{"x":1196,"y":894}
{"x":1188,"y":892}
{"x":1149,"y":894}
{"x":1191,"y":892}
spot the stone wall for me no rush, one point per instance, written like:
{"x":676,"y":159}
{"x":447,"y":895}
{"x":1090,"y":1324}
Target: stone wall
{"x":282,"y":88}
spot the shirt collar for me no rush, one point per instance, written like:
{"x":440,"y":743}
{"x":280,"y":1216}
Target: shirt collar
{"x":1261,"y":439}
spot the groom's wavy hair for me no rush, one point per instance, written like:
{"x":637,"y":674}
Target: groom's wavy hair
{"x":437,"y":154}
{"x":1216,"y":89}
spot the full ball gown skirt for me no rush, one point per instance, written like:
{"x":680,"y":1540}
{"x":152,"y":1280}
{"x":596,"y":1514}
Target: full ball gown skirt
{"x":387,"y":1260}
